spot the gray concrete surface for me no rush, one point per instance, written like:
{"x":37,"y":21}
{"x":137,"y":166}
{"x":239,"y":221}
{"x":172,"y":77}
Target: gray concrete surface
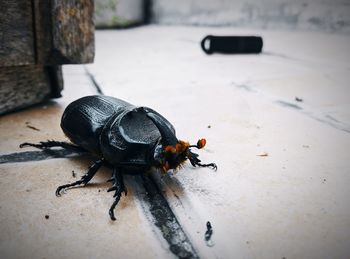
{"x":282,"y":185}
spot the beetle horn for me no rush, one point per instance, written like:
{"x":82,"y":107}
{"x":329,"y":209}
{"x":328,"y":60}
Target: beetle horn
{"x":168,"y":137}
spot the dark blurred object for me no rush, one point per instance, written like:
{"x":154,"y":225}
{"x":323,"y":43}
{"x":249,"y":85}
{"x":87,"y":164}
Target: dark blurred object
{"x":36,"y":38}
{"x":232,"y":44}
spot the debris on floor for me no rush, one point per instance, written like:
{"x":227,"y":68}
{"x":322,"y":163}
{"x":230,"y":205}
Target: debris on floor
{"x":263,"y":154}
{"x":208,"y":234}
{"x":31,"y":127}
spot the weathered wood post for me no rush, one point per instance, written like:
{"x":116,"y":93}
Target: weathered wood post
{"x":36,"y":37}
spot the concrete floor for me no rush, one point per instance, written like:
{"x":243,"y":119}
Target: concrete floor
{"x":282,"y":185}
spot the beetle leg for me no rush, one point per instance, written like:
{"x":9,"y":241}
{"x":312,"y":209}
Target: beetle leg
{"x":84,"y":179}
{"x":119,"y":187}
{"x":212,"y":165}
{"x":195,"y":161}
{"x":53,"y":143}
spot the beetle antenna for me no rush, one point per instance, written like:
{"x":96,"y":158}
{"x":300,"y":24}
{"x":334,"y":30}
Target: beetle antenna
{"x":200,"y":143}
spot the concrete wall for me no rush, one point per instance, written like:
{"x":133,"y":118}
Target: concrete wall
{"x":118,"y":13}
{"x":325,"y":15}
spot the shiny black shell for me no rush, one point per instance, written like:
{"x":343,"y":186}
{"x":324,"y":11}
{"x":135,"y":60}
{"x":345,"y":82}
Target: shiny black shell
{"x":113,"y":129}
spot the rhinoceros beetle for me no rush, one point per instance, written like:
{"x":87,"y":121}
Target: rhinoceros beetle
{"x":128,"y":138}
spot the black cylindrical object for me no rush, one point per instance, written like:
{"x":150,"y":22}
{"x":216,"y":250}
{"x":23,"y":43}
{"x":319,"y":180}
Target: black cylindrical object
{"x":232,"y":44}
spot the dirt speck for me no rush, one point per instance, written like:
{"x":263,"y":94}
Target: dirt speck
{"x":47,"y":216}
{"x":209,"y":126}
{"x":31,"y":127}
{"x":265,"y":154}
{"x":208,"y":234}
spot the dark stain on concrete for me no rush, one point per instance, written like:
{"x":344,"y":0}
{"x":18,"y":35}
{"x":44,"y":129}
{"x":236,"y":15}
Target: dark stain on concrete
{"x":289,"y":105}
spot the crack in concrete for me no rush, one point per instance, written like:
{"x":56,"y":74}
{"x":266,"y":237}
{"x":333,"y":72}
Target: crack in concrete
{"x":166,"y":221}
{"x":307,"y":111}
{"x":29,"y":156}
{"x":93,"y":81}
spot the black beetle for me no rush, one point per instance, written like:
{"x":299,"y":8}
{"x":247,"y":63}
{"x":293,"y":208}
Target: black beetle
{"x":130,"y":139}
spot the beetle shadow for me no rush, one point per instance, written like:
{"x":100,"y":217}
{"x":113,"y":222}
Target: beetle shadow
{"x":81,"y":162}
{"x":167,"y":182}
{"x":163,"y":184}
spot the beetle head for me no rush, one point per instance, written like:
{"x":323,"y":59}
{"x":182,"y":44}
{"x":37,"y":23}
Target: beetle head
{"x":173,"y":157}
{"x":171,"y":153}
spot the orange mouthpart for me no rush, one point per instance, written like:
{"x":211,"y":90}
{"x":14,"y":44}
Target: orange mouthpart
{"x":170,"y":149}
{"x":181,"y":146}
{"x":166,"y":167}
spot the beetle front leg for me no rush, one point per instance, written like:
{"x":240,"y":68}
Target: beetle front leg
{"x":85,"y":178}
{"x":119,"y":187}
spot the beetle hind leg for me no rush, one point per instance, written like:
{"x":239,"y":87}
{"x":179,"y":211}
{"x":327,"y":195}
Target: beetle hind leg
{"x":52,"y":143}
{"x":119,"y":187}
{"x":84,"y":179}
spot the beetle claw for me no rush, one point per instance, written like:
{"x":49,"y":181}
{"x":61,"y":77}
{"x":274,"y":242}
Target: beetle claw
{"x":111,"y":189}
{"x":118,"y":191}
{"x":111,"y":210}
{"x":60,"y":188}
{"x":27,"y":144}
{"x":111,"y":215}
{"x":213,"y":166}
{"x":23,"y":145}
{"x":58,"y":192}
{"x":84,"y":179}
